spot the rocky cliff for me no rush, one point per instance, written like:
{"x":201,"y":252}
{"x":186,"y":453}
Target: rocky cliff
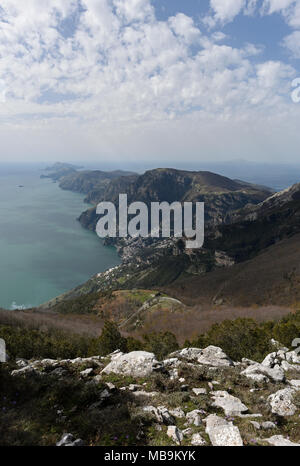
{"x":220,"y":194}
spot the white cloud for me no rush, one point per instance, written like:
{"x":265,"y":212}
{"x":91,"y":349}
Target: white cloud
{"x":292,"y":43}
{"x":123,"y":82}
{"x":184,"y":26}
{"x":132,"y":10}
{"x":290,"y":9}
{"x":227,"y":10}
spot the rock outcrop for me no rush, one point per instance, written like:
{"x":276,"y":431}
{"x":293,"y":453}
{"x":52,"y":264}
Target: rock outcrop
{"x":135,"y":364}
{"x":202,"y":415}
{"x":210,"y":356}
{"x":281,"y":402}
{"x":222,"y":433}
{"x":231,"y":405}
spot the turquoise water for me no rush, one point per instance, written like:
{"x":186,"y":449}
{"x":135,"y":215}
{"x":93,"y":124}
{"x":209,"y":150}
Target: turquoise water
{"x":44,"y":251}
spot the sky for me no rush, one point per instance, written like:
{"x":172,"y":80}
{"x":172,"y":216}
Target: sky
{"x":165,"y":81}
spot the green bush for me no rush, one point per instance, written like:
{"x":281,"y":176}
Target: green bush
{"x":85,"y":304}
{"x":286,"y":332}
{"x":111,"y":339}
{"x":134,"y":345}
{"x":246,"y":338}
{"x":161,"y":343}
{"x":30,"y":343}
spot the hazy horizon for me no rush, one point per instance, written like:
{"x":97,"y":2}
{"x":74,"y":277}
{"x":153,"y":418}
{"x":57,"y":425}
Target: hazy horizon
{"x":276,"y":176}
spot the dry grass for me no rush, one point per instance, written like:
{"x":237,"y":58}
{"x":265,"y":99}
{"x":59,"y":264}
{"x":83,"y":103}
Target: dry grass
{"x":197,"y":320}
{"x":186,"y":324}
{"x":271,"y":278}
{"x":79,"y":324}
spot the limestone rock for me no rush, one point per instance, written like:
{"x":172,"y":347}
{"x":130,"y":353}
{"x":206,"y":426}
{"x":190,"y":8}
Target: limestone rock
{"x":197,"y":441}
{"x":281,"y":402}
{"x":177,"y":412}
{"x":68,"y":440}
{"x":193,"y":417}
{"x":190,"y":354}
{"x":143,"y":394}
{"x":293,"y":357}
{"x":175,"y":434}
{"x":262,"y":373}
{"x":282,"y":358}
{"x":231,"y":405}
{"x":280,"y":441}
{"x":268,"y":425}
{"x":222,"y":433}
{"x":161,"y":414}
{"x":214,"y":356}
{"x":255,"y":424}
{"x":295,"y":384}
{"x":199,"y":391}
{"x":86,"y":372}
{"x":135,"y":364}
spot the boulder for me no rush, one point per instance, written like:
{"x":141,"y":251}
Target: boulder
{"x":111,"y":387}
{"x":271,"y":360}
{"x":142,"y":393}
{"x":193,"y":417}
{"x":282,"y":358}
{"x":177,"y":412}
{"x":214,"y":356}
{"x":197,"y":441}
{"x":199,"y":391}
{"x":135,"y":364}
{"x":222,"y":433}
{"x":231,"y":405}
{"x":24,"y":371}
{"x":87,"y":372}
{"x":293,"y":357}
{"x":255,"y":424}
{"x":280,"y":441}
{"x":268,"y":425}
{"x":190,"y":354}
{"x":68,"y":440}
{"x":211,"y":356}
{"x":295,"y":384}
{"x":263,"y":373}
{"x":175,"y":434}
{"x":161,"y":414}
{"x":281,"y":402}
{"x":166,"y":417}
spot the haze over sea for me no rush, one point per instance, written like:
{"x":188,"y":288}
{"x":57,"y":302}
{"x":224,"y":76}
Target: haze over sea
{"x":44,"y":251}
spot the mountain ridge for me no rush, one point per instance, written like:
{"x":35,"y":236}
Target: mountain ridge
{"x":221,"y":194}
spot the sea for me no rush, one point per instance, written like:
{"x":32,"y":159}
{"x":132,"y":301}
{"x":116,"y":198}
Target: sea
{"x":44,"y":251}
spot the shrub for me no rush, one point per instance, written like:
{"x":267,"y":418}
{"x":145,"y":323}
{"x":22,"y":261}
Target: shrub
{"x":30,"y":343}
{"x":111,"y":339}
{"x":161,"y":344}
{"x":240,"y":338}
{"x":286,"y":333}
{"x":85,"y":304}
{"x":134,"y":345}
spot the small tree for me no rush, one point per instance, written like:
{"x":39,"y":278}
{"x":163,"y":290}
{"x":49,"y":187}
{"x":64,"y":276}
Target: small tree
{"x":111,"y":339}
{"x":161,"y":344}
